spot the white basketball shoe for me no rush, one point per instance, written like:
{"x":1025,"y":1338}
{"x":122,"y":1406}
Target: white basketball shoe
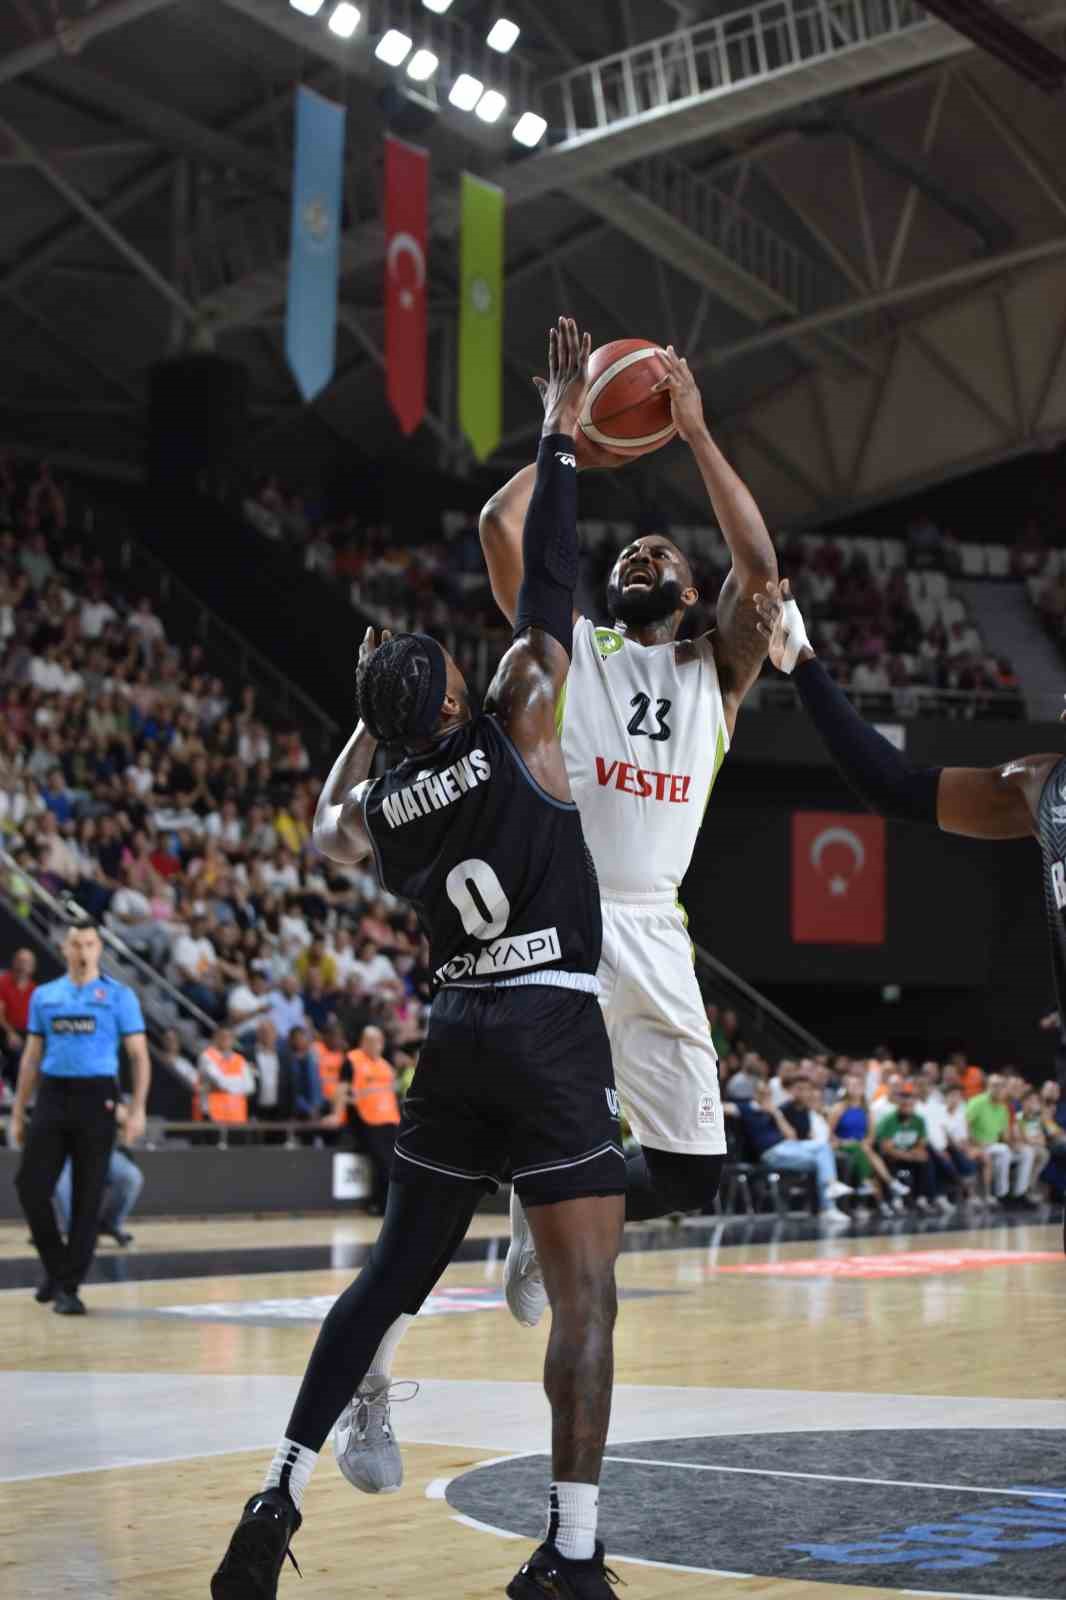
{"x":523,"y":1283}
{"x":363,"y":1441}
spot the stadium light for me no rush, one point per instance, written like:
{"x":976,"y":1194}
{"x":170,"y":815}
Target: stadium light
{"x":491,"y":106}
{"x":529,"y":129}
{"x":422,"y":65}
{"x":393,"y":47}
{"x":310,"y":8}
{"x":439,"y":6}
{"x":502,"y":35}
{"x":344,"y":20}
{"x":466,"y":92}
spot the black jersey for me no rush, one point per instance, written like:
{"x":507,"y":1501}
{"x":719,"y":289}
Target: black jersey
{"x":1051,"y":827}
{"x":497,"y":869}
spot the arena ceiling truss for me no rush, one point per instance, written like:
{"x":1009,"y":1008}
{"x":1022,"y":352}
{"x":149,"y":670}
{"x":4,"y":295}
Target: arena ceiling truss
{"x":851,"y":219}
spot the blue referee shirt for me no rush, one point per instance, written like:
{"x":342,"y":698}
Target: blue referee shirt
{"x":82,"y":1025}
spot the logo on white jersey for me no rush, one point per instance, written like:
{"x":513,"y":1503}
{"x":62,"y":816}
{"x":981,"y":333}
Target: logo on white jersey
{"x":708,"y":1111}
{"x":673,"y":787}
{"x":608,"y":642}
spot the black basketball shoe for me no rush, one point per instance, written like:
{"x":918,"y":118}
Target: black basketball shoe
{"x":549,"y":1576}
{"x":252,"y":1564}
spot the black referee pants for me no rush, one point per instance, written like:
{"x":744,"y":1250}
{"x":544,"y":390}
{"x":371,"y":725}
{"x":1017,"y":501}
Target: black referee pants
{"x":73,"y":1117}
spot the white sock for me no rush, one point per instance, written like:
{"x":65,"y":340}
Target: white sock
{"x":291,"y":1469}
{"x":572,"y":1509}
{"x":385,"y":1354}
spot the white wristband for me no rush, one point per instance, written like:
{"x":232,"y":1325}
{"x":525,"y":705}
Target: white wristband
{"x":796,"y":633}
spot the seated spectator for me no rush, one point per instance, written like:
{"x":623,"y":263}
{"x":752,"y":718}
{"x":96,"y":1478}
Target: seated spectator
{"x":316,"y":961}
{"x":747,"y":1078}
{"x":302,"y":1064}
{"x":57,"y":796}
{"x":147,"y":628}
{"x":774,"y":1142}
{"x":125,"y":1180}
{"x":16,"y":991}
{"x":1001,"y":1154}
{"x":852,"y":1136}
{"x":1029,"y":1135}
{"x":367,"y":1094}
{"x":287,"y":1009}
{"x":131,"y":916}
{"x":171,"y":1057}
{"x":725,"y":1031}
{"x":373,"y":970}
{"x":318,"y":1005}
{"x":903,"y":1145}
{"x":226,"y":1079}
{"x":951,"y":1149}
{"x":1053,"y":1117}
{"x":196,"y":967}
{"x":250,"y":1000}
{"x":783,"y":1079}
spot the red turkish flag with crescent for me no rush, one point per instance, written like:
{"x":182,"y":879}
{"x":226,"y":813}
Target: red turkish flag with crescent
{"x":406,"y":231}
{"x":838,"y":878}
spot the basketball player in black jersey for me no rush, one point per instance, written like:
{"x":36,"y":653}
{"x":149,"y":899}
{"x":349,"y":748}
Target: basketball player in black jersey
{"x":1021,"y":798}
{"x":476,"y":827}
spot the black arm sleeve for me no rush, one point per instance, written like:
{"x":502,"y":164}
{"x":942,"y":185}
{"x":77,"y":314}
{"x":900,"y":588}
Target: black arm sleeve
{"x":872,"y":766}
{"x":549,"y":545}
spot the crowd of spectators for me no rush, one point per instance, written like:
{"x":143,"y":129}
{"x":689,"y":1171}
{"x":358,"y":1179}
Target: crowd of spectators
{"x":138,"y":783}
{"x":882,"y":612}
{"x":888,"y":1135}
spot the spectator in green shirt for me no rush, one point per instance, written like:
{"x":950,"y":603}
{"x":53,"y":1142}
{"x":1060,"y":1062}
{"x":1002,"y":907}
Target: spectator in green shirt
{"x":903,"y":1146}
{"x":1002,"y":1152}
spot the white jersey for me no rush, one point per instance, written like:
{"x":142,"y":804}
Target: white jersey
{"x":643,"y":733}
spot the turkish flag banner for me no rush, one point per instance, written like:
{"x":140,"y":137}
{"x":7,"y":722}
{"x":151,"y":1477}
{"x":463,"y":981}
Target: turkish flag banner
{"x":838,"y":878}
{"x":406,"y":230}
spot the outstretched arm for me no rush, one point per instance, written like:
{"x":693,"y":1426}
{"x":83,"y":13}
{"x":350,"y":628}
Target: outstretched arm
{"x":339,"y":831}
{"x":740,"y":649}
{"x":524,"y":692}
{"x":979,"y":802}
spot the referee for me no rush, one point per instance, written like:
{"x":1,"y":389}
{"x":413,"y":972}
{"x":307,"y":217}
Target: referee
{"x":72,"y":1045}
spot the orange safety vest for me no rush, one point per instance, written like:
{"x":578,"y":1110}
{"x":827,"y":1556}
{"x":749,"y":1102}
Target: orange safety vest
{"x":329,"y":1069}
{"x":221,"y":1106}
{"x":373,"y":1093}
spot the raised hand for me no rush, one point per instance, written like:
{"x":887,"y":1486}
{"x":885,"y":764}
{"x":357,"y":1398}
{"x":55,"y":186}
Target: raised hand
{"x":370,"y":643}
{"x":563,"y":391}
{"x":686,"y":402}
{"x":781,"y":622}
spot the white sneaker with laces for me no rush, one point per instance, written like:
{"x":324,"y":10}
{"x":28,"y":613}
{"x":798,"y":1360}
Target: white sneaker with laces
{"x":900,"y":1188}
{"x":833,"y":1214}
{"x":837,"y":1190}
{"x":363,"y":1441}
{"x":945,"y":1205}
{"x":923,"y":1205}
{"x":523,"y":1284}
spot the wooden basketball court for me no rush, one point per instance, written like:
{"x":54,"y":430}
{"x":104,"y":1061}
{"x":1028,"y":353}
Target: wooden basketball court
{"x":822,"y":1417}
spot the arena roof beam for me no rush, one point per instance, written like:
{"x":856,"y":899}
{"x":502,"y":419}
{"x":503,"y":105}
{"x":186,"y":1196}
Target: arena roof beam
{"x":72,"y":36}
{"x":169,"y":128}
{"x":99,"y":223}
{"x":955,"y":277}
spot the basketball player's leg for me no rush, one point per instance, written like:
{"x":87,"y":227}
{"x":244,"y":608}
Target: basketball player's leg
{"x":403,"y":1266}
{"x":665,"y":1064}
{"x":569,"y":1175}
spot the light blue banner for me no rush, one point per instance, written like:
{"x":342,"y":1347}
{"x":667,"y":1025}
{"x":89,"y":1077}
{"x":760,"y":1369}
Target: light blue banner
{"x":314,"y":260}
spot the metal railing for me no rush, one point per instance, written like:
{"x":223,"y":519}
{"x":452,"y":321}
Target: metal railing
{"x":50,"y":916}
{"x":754,"y":44}
{"x":764,"y":1026}
{"x":711,"y":214}
{"x":910,"y":701}
{"x":230,"y":652}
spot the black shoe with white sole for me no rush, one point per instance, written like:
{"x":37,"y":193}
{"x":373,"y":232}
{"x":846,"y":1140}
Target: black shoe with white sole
{"x":252,"y":1564}
{"x":547,"y":1575}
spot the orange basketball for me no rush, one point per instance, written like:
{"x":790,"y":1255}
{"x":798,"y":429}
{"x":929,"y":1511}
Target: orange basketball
{"x":620,"y":412}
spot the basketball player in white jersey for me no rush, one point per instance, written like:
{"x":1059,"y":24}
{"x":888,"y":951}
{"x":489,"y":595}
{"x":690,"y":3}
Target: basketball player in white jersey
{"x":646,"y":721}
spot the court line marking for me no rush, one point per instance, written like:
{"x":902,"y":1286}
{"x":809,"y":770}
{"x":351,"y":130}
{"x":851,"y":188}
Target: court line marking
{"x":836,"y":1477}
{"x":708,"y":1572}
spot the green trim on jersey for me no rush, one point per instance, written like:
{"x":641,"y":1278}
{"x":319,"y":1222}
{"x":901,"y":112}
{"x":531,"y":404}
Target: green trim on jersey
{"x":560,"y":709}
{"x":684,"y":924}
{"x":719,"y":757}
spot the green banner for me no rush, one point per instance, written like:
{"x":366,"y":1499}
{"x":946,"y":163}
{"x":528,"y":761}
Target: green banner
{"x":481,"y":315}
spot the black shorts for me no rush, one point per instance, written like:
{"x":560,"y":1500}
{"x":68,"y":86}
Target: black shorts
{"x":514,"y":1084}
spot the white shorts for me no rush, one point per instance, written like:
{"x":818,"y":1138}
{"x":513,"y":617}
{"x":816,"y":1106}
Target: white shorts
{"x":665,"y":1065}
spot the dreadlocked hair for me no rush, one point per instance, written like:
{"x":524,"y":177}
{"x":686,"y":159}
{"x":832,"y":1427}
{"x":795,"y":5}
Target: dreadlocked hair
{"x":394,"y":687}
